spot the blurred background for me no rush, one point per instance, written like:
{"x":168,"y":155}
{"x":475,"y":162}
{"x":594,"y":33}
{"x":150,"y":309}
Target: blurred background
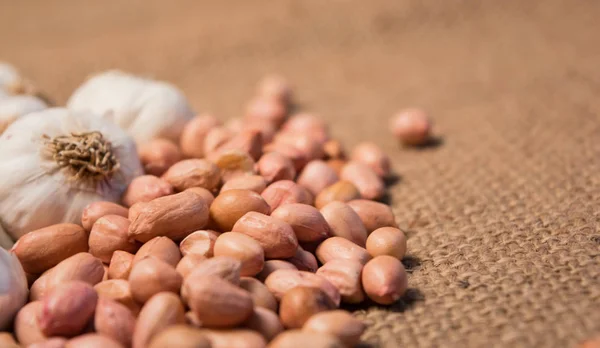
{"x":493,"y":214}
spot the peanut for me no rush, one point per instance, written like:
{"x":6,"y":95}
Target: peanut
{"x":161,"y":311}
{"x":216,"y":302}
{"x":231,"y":205}
{"x":161,"y":248}
{"x":109,"y":234}
{"x":369,"y":184}
{"x":216,"y":137}
{"x":261,"y":295}
{"x":224,"y":267}
{"x":373,"y":215}
{"x":304,"y":261}
{"x":27,"y":328}
{"x":193,"y":173}
{"x":309,"y":124}
{"x":342,"y":191}
{"x":276,"y":87}
{"x":7,"y":341}
{"x":384,"y":279}
{"x":42,"y":249}
{"x":274,"y":166}
{"x":157,"y":155}
{"x":146,"y":188}
{"x":297,"y":156}
{"x":238,"y":338}
{"x":286,"y":192}
{"x":301,"y":338}
{"x":276,"y":237}
{"x":334,"y":150}
{"x":54,"y":342}
{"x":180,"y":336}
{"x":265,"y":322}
{"x":316,"y":176}
{"x":96,"y":210}
{"x":371,"y":155}
{"x":341,"y":248}
{"x":345,"y":275}
{"x":310,"y":147}
{"x":387,"y":241}
{"x":119,"y":291}
{"x":173,"y":216}
{"x":273,"y":265}
{"x":114,"y":320}
{"x":247,"y":140}
{"x":337,"y":323}
{"x":411,"y":126}
{"x":67,"y":309}
{"x":151,"y":276}
{"x":120,"y":265}
{"x":283,"y":280}
{"x":93,"y":340}
{"x":266,"y":109}
{"x":266,"y":129}
{"x":233,"y":163}
{"x":188,"y":263}
{"x":344,"y":222}
{"x":200,"y":243}
{"x":301,"y":303}
{"x":243,"y":248}
{"x":306,"y":221}
{"x":203,"y":193}
{"x":254,"y":183}
{"x":194,"y":133}
{"x":81,"y":266}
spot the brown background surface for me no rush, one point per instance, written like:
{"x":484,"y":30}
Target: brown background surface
{"x":503,"y":218}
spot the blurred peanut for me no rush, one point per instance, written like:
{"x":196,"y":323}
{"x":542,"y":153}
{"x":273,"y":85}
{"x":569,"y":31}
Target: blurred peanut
{"x":304,"y":261}
{"x":27,"y":328}
{"x":372,"y":155}
{"x":233,"y":163}
{"x":316,"y":176}
{"x":224,"y":267}
{"x":276,"y":87}
{"x":193,"y":173}
{"x":188,"y":263}
{"x":341,"y":191}
{"x":180,"y":336}
{"x":333,"y":149}
{"x":158,"y":155}
{"x":119,"y":291}
{"x":286,"y":192}
{"x":160,"y":312}
{"x":373,"y":215}
{"x":302,"y":338}
{"x":255,"y":183}
{"x":266,"y":109}
{"x":203,"y":193}
{"x":216,"y":137}
{"x":301,"y":303}
{"x":238,"y":338}
{"x":146,"y":188}
{"x":364,"y":178}
{"x":265,"y":322}
{"x":411,"y":126}
{"x":283,"y":280}
{"x":272,"y":266}
{"x":67,"y":309}
{"x":274,"y":166}
{"x":308,"y":223}
{"x":114,"y":320}
{"x":92,"y":340}
{"x":338,"y":323}
{"x":194,"y":133}
{"x":261,"y":295}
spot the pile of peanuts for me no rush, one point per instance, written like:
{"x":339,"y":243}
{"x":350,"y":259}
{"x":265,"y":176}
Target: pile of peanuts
{"x":248,"y":234}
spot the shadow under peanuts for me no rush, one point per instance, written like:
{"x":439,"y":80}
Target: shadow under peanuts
{"x":433,"y":143}
{"x":388,"y":181}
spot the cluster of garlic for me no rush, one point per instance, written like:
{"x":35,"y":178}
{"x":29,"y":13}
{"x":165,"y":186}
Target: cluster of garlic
{"x":58,"y":160}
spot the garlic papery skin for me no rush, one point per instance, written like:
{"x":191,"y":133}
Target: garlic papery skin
{"x":146,"y":108}
{"x":57,"y":161}
{"x":14,"y":106}
{"x":13,"y":288}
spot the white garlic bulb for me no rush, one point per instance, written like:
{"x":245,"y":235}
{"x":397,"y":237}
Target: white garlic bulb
{"x":9,"y":76}
{"x":13,"y":288}
{"x":15,"y":106}
{"x":146,"y":108}
{"x":55,"y":162}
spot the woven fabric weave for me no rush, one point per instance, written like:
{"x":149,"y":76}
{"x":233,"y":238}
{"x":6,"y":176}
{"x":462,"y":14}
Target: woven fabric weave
{"x":503,"y":216}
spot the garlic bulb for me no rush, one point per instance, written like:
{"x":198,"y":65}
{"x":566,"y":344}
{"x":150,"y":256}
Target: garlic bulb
{"x":5,"y":241}
{"x":13,"y":288}
{"x":11,"y":81}
{"x":13,"y":107}
{"x":55,"y":162}
{"x":146,"y":108}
